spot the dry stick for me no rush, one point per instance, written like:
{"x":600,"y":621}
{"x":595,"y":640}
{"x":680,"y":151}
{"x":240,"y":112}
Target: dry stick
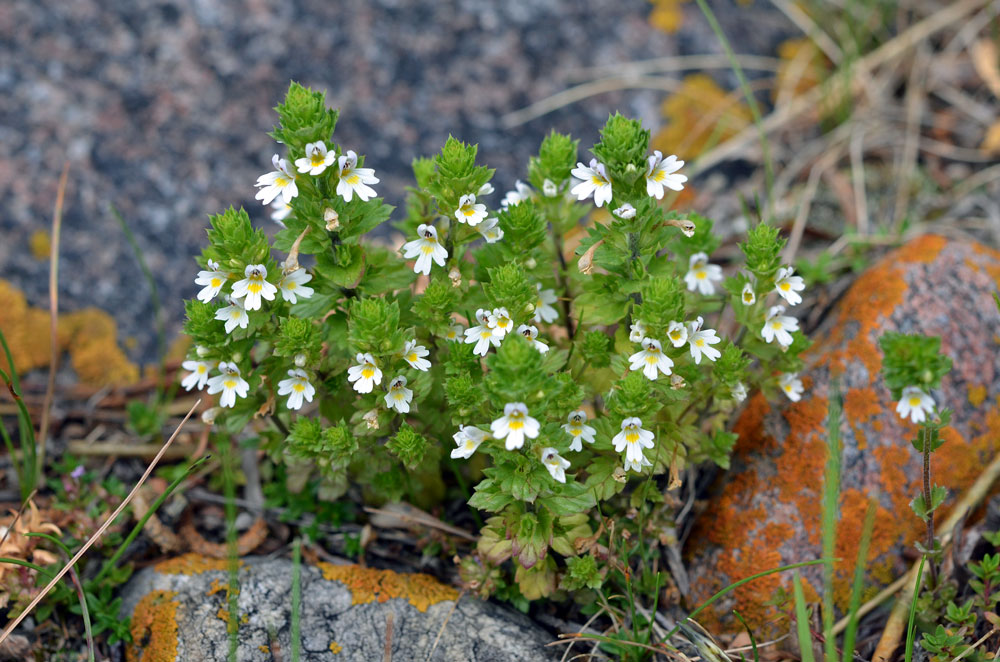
{"x":900,"y":611}
{"x":387,"y":657}
{"x":858,"y":179}
{"x":974,"y":646}
{"x":798,"y":228}
{"x":50,"y":388}
{"x":805,"y":23}
{"x":93,"y":539}
{"x":20,"y":511}
{"x":429,"y":522}
{"x":677,"y":63}
{"x":915,"y":89}
{"x":447,"y":618}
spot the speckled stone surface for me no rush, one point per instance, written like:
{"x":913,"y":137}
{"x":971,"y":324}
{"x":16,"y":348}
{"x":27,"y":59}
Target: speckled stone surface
{"x":161,"y":108}
{"x":180,"y":609}
{"x":767,"y":512}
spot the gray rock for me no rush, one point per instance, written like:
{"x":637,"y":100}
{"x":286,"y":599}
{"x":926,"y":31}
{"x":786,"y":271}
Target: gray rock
{"x":180,"y":610}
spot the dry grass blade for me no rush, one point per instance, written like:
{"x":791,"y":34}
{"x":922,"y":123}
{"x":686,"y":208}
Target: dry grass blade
{"x":396,"y":517}
{"x":447,"y":618}
{"x":968,"y":651}
{"x":50,"y":388}
{"x":20,"y":511}
{"x":677,"y":63}
{"x":94,"y":538}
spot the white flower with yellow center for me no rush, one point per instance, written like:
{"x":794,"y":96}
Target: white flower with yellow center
{"x":530,"y":332}
{"x":454,"y":333}
{"x":414,"y":355}
{"x":650,"y":359}
{"x":515,"y":425}
{"x":482,"y":334}
{"x":365,"y":375}
{"x":544,"y":310}
{"x":234,"y":315}
{"x":638,"y":465}
{"x":280,"y":181}
{"x":213,"y":279}
{"x":470,"y":212}
{"x":520,"y":193}
{"x":280,"y":210}
{"x":426,"y":249}
{"x":399,"y":396}
{"x":293,"y":285}
{"x":739,"y":392}
{"x":748,"y":296}
{"x":297,"y":388}
{"x":626,"y":211}
{"x":254,"y":287}
{"x":791,"y":385}
{"x":788,"y":285}
{"x":701,"y":275}
{"x":677,"y":333}
{"x":593,"y":182}
{"x":914,"y":404}
{"x":199,"y":374}
{"x":576,"y":426}
{"x":491,"y":230}
{"x":354,"y":179}
{"x":555,"y":463}
{"x":637,"y":331}
{"x":660,"y":172}
{"x":632,"y":439}
{"x":229,"y":383}
{"x":701,"y":340}
{"x":779,"y":327}
{"x":467,"y":440}
{"x":500,"y":322}
{"x":316,"y":160}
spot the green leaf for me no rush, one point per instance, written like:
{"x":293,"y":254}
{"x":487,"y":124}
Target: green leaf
{"x":570,"y":499}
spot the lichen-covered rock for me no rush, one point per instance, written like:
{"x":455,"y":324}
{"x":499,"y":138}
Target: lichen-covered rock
{"x":180,"y":611}
{"x":767,"y":512}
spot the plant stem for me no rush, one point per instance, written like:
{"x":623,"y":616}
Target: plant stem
{"x":929,"y":506}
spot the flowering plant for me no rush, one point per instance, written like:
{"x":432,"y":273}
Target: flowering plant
{"x":575,"y":341}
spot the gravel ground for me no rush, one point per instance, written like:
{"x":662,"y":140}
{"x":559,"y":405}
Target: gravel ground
{"x":162,"y":108}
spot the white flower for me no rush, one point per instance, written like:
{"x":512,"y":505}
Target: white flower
{"x":364,"y":375}
{"x":297,"y":388}
{"x":677,"y":332}
{"x":399,"y":396}
{"x":555,"y":463}
{"x":520,"y":193}
{"x":499,"y":320}
{"x":254,"y":287}
{"x":293,"y":285}
{"x":230,"y":383}
{"x":626,"y":211}
{"x":470,"y":212}
{"x":280,"y":181}
{"x":594,"y":181}
{"x":213,"y":280}
{"x":779,"y":326}
{"x":701,"y":274}
{"x":454,"y":333}
{"x":354,"y":179}
{"x":788,"y":286}
{"x":660,"y":173}
{"x":425,"y":248}
{"x":280,"y":211}
{"x":638,"y":465}
{"x":515,"y":425}
{"x":316,"y":160}
{"x":739,"y":392}
{"x":650,"y":359}
{"x":234,"y":315}
{"x":482,"y":334}
{"x":467,"y":440}
{"x":544,"y":310}
{"x":549,"y":189}
{"x":491,"y":230}
{"x":531,"y":333}
{"x":576,"y":426}
{"x":414,"y":355}
{"x":915,"y":403}
{"x":199,"y":374}
{"x":701,"y":340}
{"x":791,"y":385}
{"x":748,"y":297}
{"x":637,"y":331}
{"x":485,"y":189}
{"x":632,"y":439}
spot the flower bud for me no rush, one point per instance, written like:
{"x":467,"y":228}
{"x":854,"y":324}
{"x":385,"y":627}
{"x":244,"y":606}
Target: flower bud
{"x":201,"y":351}
{"x":208,"y":416}
{"x":630,"y":168}
{"x":456,"y":277}
{"x":236,"y":357}
{"x":371,"y":419}
{"x":549,"y":188}
{"x":332,"y":219}
{"x":300,"y":360}
{"x":619,"y":475}
{"x":530,"y":263}
{"x":677,"y":382}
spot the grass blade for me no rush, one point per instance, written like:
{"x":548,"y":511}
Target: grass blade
{"x":831,"y":498}
{"x":859,"y":582}
{"x":911,"y":626}
{"x":802,"y":621}
{"x":296,"y":598}
{"x":753,"y":640}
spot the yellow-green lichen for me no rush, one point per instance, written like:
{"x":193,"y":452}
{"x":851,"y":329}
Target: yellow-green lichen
{"x":371,"y":585}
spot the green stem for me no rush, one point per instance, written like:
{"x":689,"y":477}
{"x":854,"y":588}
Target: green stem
{"x":929,"y":505}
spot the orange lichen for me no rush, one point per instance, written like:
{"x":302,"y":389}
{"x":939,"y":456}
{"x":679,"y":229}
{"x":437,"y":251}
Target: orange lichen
{"x":371,"y":585}
{"x":264,"y":648}
{"x":700,"y":114}
{"x":40,"y":244}
{"x":154,"y":629}
{"x":667,"y":15}
{"x":191,"y":564}
{"x":977,"y":394}
{"x":861,"y":405}
{"x":89,"y":336}
{"x":335,"y":647}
